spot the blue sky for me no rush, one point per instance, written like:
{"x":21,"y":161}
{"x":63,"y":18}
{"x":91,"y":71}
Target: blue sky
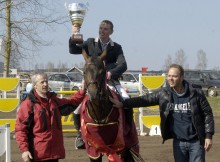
{"x":148,"y":30}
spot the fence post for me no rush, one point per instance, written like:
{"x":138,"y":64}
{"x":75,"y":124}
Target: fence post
{"x":141,"y":125}
{"x":6,"y":145}
{"x":61,"y":95}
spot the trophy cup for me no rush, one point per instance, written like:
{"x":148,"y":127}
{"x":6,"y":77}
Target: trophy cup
{"x":77,"y":13}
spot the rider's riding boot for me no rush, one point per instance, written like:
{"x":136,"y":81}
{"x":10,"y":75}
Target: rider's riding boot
{"x":79,"y":143}
{"x":76,"y":119}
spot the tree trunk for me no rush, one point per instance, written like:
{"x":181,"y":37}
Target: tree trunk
{"x":7,"y":51}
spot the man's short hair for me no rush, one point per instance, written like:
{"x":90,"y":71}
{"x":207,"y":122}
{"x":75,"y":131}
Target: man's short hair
{"x":108,"y":22}
{"x":179,"y":67}
{"x":35,"y":76}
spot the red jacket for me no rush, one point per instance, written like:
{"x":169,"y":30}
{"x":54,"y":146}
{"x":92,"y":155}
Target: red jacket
{"x":47,"y":129}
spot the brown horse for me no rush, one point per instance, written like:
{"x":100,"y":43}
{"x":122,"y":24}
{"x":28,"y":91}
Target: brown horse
{"x":104,"y":128}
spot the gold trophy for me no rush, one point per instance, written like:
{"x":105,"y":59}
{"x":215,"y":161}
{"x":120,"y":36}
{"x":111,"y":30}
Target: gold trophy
{"x":77,"y":12}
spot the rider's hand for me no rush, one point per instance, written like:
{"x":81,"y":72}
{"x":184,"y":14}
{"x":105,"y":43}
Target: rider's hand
{"x":75,"y":28}
{"x":109,"y":74}
{"x":26,"y":156}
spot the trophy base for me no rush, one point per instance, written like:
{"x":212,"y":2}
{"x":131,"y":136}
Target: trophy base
{"x":77,"y":38}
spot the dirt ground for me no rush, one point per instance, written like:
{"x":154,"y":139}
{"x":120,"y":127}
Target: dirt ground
{"x":151,"y":149}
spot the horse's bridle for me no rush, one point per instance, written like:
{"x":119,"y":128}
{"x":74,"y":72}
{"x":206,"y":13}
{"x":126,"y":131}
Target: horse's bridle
{"x":87,"y":84}
{"x":99,"y":93}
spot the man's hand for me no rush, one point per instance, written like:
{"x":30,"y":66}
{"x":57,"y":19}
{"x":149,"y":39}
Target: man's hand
{"x":26,"y":156}
{"x":208,"y":144}
{"x":116,"y":103}
{"x":75,"y":28}
{"x":83,"y":85}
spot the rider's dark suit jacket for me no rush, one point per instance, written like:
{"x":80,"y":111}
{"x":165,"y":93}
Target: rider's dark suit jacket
{"x":114,"y":60}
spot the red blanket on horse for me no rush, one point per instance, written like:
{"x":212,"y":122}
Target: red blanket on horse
{"x":110,"y":137}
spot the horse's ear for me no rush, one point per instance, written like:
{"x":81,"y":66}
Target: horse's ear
{"x":85,"y":55}
{"x":102,"y":56}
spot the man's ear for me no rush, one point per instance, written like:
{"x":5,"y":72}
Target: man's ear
{"x":111,"y":32}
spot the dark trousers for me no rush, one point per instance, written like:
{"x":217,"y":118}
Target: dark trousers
{"x":188,"y":151}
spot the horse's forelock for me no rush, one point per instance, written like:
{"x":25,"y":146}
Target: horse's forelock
{"x":97,"y":61}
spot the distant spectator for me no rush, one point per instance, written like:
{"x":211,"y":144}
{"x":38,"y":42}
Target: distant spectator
{"x":29,"y":85}
{"x":28,"y":88}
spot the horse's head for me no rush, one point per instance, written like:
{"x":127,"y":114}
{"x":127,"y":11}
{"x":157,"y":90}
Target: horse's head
{"x":94,"y":75}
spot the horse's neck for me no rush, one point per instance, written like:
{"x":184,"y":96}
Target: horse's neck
{"x":103,"y":99}
{"x":100,"y":108}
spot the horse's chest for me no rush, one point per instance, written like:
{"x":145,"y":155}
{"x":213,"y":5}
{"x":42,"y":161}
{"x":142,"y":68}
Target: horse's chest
{"x":106,"y":132}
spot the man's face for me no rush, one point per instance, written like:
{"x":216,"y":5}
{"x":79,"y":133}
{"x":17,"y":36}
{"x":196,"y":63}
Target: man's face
{"x":104,"y":31}
{"x":174,"y":79}
{"x":41,"y":86}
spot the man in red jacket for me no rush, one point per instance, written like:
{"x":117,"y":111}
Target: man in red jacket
{"x":38,"y":126}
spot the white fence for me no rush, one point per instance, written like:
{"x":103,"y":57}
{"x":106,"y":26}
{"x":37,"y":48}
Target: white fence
{"x":5,"y":143}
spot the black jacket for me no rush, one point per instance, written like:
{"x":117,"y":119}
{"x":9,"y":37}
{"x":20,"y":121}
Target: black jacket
{"x":202,"y":116}
{"x":115,"y":60}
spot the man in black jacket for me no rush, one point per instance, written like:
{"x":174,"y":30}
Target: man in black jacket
{"x":115,"y":62}
{"x":186,"y":115}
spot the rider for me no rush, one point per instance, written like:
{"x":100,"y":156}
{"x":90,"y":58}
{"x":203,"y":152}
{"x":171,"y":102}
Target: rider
{"x":115,"y":62}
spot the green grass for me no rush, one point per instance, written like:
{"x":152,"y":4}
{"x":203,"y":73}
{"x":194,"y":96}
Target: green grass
{"x":215,"y":104}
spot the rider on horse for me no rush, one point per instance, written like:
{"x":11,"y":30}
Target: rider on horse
{"x":115,"y":63}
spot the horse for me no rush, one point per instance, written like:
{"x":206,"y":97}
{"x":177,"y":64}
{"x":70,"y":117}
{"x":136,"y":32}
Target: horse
{"x":103,"y":127}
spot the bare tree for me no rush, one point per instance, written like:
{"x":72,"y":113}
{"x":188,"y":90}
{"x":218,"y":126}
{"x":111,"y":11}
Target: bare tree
{"x":78,"y":65}
{"x":216,"y":68}
{"x":36,"y":67}
{"x":167,"y":62}
{"x":201,"y":60}
{"x":7,"y":39}
{"x":180,"y":58}
{"x":42,"y":65}
{"x":25,"y":21}
{"x":59,"y":66}
{"x":50,"y":67}
{"x":64,"y":67}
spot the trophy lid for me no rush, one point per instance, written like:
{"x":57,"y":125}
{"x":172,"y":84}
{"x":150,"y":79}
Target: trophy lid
{"x":77,"y":7}
{"x":77,"y":12}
